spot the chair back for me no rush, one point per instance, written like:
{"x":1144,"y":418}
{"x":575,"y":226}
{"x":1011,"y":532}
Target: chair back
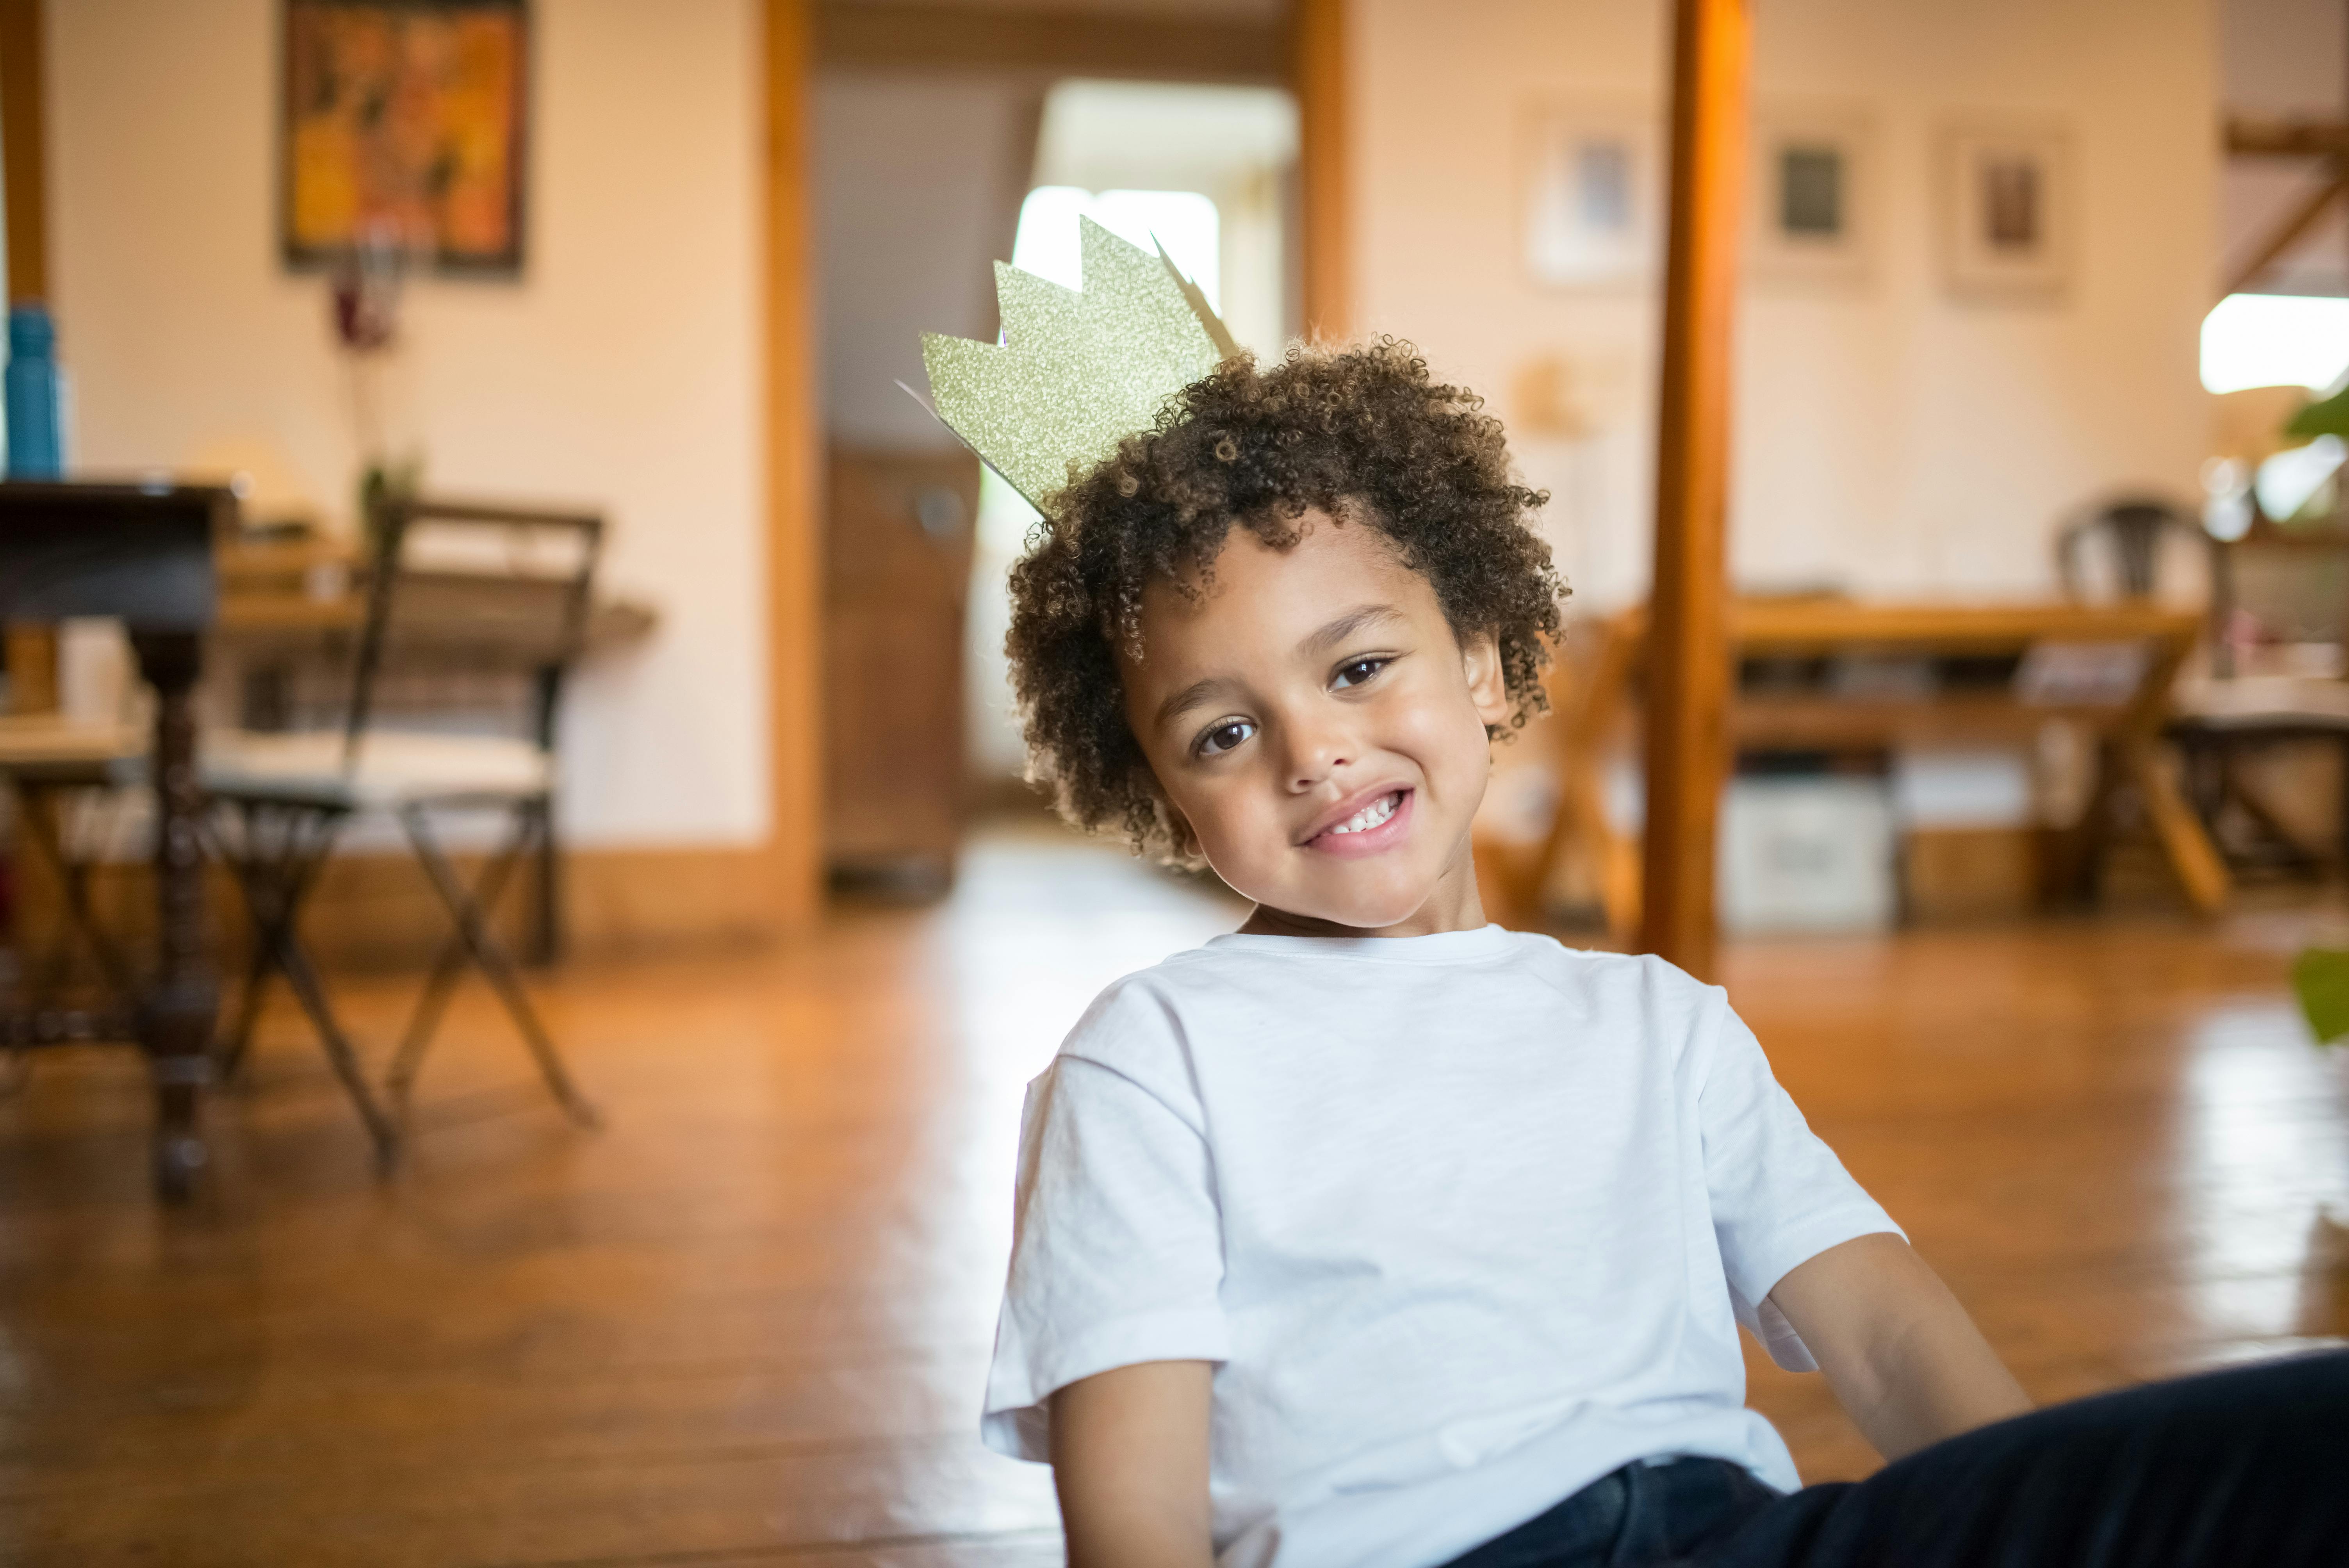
{"x":465,"y":587}
{"x":2279,"y":586}
{"x":2132,"y":528}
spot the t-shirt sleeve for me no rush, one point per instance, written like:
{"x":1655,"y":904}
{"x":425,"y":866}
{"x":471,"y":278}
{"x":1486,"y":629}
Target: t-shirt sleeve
{"x":1780,"y":1197}
{"x":1117,"y":1251}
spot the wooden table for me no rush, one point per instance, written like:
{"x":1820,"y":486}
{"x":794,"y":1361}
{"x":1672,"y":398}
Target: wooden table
{"x":142,"y":553}
{"x":1592,"y":696}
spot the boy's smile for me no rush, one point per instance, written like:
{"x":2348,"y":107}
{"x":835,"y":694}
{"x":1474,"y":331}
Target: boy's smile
{"x":1315,"y":722}
{"x":1365,"y":830}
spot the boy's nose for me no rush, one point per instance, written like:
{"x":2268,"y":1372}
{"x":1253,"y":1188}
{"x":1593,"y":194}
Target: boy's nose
{"x":1314,"y":757}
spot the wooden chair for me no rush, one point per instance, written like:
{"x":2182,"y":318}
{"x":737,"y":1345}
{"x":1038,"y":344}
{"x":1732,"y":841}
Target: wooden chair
{"x":2129,"y":531}
{"x":453,"y":584}
{"x":2221,"y":718}
{"x":1585,"y":686}
{"x":2275,"y":585}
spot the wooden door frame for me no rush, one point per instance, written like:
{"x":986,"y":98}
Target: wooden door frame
{"x":1317,"y":68}
{"x":794,"y":566}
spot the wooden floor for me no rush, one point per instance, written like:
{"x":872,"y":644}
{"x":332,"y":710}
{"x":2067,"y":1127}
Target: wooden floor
{"x":747,"y":1324}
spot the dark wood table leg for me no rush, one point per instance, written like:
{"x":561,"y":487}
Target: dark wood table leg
{"x":546,"y":944}
{"x":177,"y":1012}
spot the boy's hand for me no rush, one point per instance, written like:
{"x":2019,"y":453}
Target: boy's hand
{"x":1130,"y":1461}
{"x":1907,"y":1364}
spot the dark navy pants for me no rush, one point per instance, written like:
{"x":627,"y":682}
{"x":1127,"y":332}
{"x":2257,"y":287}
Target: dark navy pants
{"x":2248,"y":1467}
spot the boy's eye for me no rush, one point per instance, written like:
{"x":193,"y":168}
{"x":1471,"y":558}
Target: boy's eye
{"x":1359,"y":671}
{"x":1224,"y":737}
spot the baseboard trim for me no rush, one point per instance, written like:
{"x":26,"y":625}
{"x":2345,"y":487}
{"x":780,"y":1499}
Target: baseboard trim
{"x":377,"y":911}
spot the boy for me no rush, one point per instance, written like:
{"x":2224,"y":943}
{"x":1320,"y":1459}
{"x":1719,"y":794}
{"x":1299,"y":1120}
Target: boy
{"x":1374,"y":1235}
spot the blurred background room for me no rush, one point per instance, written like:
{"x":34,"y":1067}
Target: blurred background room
{"x":523,"y":931}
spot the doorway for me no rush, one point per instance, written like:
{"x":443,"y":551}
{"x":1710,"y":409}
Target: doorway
{"x":924,"y":178}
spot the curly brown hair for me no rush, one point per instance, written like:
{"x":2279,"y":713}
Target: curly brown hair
{"x":1360,"y":433}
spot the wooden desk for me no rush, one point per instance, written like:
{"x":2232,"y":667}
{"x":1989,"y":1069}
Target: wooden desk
{"x":1592,"y":697}
{"x":143,"y":552}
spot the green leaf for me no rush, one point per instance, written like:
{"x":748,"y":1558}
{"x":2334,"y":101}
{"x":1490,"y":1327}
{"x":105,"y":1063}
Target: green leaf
{"x":2328,"y":418}
{"x":2319,"y":978}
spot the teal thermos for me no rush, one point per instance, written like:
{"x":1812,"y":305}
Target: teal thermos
{"x":35,"y":437}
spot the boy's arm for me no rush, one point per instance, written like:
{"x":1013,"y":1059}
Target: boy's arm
{"x":1130,"y":1461}
{"x":1905,"y":1361}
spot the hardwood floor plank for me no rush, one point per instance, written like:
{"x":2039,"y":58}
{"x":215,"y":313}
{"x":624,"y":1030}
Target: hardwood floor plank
{"x":533,"y":1511}
{"x":1008,"y":1549}
{"x":749,"y":1322}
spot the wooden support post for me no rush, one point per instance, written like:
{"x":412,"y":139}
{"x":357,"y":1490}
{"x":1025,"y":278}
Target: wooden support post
{"x":1318,"y":52}
{"x":1688,"y":663}
{"x":23,"y":155}
{"x":794,"y":606}
{"x":31,"y":648}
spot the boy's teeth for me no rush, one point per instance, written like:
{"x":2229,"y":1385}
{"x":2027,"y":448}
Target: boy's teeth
{"x":1369,"y":816}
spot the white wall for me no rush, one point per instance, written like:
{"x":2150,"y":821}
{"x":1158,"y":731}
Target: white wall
{"x":1887,"y":437}
{"x":918,"y":179}
{"x":622,"y":370}
{"x":2282,"y":58}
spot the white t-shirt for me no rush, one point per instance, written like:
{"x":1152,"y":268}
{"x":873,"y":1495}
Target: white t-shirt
{"x":1467,"y":1220}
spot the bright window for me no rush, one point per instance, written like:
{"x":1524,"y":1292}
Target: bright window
{"x":1184,"y":221}
{"x":2275,"y":340}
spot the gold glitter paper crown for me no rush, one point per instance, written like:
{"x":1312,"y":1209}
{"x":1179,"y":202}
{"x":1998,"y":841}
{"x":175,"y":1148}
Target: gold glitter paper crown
{"x":1078,"y":371}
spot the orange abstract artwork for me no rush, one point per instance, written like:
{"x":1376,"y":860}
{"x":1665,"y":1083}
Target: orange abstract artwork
{"x":404,"y":127}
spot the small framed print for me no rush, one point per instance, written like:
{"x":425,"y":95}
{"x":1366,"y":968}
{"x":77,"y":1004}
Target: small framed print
{"x":1593,"y":196}
{"x":1811,"y":202}
{"x":2007,"y":211}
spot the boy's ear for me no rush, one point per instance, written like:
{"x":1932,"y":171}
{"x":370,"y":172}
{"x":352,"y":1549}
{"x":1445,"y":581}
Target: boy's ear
{"x":1488,"y":686}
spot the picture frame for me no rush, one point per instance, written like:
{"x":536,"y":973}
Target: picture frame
{"x":2008,"y":209}
{"x":1812,"y":205}
{"x":402,"y":125}
{"x":1593,"y":188}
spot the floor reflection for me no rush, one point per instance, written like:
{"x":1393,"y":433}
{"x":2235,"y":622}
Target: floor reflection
{"x":2263,"y":1160}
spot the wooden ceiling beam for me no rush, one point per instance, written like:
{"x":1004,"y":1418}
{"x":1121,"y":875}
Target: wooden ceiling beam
{"x":1069,"y":43}
{"x":2249,"y":138}
{"x":2287,"y":235}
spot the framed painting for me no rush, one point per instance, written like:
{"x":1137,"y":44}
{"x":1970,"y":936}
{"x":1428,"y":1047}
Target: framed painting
{"x":1811,"y":194}
{"x":2007,"y":211}
{"x":403,"y":126}
{"x":1593,"y":195}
